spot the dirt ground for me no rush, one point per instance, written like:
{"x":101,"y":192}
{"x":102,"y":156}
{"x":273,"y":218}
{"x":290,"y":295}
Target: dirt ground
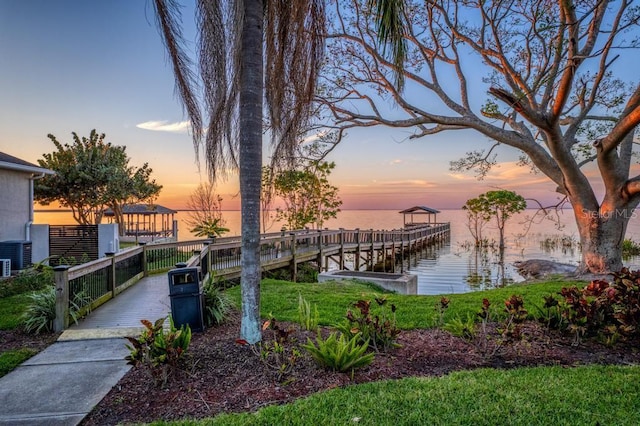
{"x":16,"y":339}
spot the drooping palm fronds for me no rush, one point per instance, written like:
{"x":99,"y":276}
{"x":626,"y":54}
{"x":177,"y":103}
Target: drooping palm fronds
{"x":169,"y":16}
{"x":231,"y":49}
{"x":391,"y":24}
{"x":294,"y":50}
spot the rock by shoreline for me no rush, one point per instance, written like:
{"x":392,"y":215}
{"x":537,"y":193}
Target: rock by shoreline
{"x":540,"y":268}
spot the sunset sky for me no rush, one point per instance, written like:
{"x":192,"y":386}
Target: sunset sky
{"x":77,"y":65}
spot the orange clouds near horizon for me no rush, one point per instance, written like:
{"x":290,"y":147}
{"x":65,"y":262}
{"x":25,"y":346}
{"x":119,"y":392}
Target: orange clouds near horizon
{"x":359,"y":191}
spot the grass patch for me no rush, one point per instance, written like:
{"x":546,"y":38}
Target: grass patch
{"x":11,"y":317}
{"x":525,"y":396}
{"x":11,"y":309}
{"x":280,"y":298}
{"x":11,"y":359}
{"x":127,"y":244}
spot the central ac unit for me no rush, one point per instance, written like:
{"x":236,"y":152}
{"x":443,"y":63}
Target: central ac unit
{"x":5,"y":268}
{"x":19,"y":252}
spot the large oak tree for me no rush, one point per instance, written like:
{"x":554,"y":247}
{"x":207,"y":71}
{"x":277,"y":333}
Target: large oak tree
{"x":548,"y":68}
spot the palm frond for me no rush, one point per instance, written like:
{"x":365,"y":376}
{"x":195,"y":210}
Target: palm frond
{"x":294,"y":50}
{"x":168,"y":15}
{"x":390,"y":23}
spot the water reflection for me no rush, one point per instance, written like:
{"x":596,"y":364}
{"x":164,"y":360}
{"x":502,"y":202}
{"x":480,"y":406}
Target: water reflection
{"x":462,"y":267}
{"x":457,"y":266}
{"x":565,"y":244}
{"x":486,"y":268}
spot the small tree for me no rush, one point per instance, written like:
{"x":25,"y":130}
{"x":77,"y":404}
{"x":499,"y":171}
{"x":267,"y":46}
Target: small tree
{"x":308,"y":196}
{"x":266,"y":198}
{"x":91,"y":175}
{"x":130,"y":187}
{"x":205,"y":215}
{"x":475,"y":219}
{"x":500,"y":204}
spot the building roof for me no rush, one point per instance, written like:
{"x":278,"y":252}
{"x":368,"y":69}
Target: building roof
{"x":14,"y":163}
{"x":420,"y":210}
{"x":144,"y":209}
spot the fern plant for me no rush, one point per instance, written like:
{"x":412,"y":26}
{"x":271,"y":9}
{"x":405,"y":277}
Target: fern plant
{"x":461,"y":328}
{"x":41,"y":311}
{"x":307,"y":317}
{"x":209,"y":228}
{"x":338,"y":353}
{"x":217,"y":304}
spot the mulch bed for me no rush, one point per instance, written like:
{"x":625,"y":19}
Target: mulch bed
{"x":220,"y":375}
{"x":17,"y":339}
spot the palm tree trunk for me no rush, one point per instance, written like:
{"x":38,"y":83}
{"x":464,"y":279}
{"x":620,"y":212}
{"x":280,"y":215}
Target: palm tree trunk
{"x":250,"y":131}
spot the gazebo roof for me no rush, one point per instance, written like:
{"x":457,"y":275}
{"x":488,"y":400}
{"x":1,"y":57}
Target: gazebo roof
{"x":420,"y":210}
{"x":143,"y":209}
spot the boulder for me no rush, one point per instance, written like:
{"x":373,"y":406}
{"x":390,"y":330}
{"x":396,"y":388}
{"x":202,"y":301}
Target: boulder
{"x":540,"y":268}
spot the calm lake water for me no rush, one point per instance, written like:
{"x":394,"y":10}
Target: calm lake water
{"x":455,"y":266}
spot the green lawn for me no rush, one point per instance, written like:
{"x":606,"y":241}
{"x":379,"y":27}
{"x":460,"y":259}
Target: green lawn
{"x":11,"y":359}
{"x":584,"y":395}
{"x":587,"y":395}
{"x":11,"y":309}
{"x":280,"y":298}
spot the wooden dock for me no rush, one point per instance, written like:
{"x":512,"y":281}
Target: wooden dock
{"x":103,"y":279}
{"x":370,"y":250}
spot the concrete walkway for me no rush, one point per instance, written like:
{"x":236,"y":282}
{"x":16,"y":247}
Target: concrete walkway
{"x":63,"y":383}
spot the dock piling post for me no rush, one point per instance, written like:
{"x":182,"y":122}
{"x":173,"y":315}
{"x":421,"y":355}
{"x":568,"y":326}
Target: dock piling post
{"x":294,"y":260}
{"x":61,"y":277}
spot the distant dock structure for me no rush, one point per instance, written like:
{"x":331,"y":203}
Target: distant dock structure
{"x":355,"y":250}
{"x":419,"y":216}
{"x":147,"y":222}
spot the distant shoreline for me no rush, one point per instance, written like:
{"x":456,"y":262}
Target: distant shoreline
{"x":190,"y":210}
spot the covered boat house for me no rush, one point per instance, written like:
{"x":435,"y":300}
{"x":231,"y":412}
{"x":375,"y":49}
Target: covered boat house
{"x":419,"y":216}
{"x":147,"y":221}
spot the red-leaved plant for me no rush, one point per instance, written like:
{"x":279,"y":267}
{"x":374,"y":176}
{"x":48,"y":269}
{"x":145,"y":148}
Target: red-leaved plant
{"x":609,"y":311}
{"x":379,"y":327}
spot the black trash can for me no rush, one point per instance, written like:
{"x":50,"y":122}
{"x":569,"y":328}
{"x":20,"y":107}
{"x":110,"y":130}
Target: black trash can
{"x":186,"y":298}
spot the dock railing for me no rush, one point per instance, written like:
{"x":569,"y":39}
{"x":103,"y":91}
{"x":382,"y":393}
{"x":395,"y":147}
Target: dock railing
{"x":87,"y":286}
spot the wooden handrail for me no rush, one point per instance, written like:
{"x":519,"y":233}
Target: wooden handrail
{"x":277,"y":250}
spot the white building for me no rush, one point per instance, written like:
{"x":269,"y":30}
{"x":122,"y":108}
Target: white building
{"x":16,"y":196}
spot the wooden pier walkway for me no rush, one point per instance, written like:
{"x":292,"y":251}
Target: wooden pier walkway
{"x":122,"y":293}
{"x":120,"y":317}
{"x":381,"y":251}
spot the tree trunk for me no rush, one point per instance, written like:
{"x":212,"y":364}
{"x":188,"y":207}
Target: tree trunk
{"x":250,"y":129}
{"x":501,"y":236}
{"x":601,"y":235}
{"x":118,"y":216}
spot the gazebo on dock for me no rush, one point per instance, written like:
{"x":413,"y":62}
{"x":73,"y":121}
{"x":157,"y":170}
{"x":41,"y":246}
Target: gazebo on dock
{"x":145,"y":220}
{"x":414,"y":216}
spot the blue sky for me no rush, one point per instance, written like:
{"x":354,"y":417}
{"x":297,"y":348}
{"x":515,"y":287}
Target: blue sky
{"x":77,"y":65}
